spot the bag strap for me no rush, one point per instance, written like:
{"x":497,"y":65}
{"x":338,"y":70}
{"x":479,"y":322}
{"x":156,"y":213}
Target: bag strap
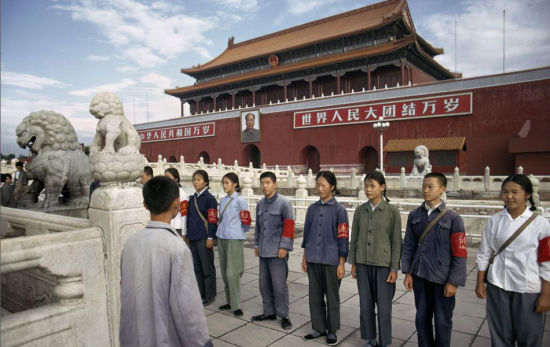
{"x":430,"y":226}
{"x":514,"y":236}
{"x":224,"y":209}
{"x":200,"y":214}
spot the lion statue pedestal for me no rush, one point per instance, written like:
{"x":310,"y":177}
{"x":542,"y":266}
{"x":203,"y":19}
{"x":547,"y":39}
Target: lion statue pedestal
{"x":114,"y":153}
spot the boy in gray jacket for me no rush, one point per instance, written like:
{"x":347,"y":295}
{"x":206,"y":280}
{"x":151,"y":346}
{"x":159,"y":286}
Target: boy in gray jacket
{"x":160,"y":300}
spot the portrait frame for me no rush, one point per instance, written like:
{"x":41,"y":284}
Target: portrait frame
{"x":254,"y":134}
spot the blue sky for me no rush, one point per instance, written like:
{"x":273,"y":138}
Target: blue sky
{"x":57,"y":54}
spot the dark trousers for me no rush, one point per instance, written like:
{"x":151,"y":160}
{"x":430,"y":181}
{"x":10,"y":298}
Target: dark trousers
{"x":323,"y":281}
{"x":512,"y":318}
{"x":205,"y":272}
{"x":274,"y":286}
{"x":431,"y":303}
{"x":373,"y":289}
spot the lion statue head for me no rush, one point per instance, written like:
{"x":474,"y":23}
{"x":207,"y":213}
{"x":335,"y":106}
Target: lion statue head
{"x":421,"y":164}
{"x":105,"y":103}
{"x":46,"y":130}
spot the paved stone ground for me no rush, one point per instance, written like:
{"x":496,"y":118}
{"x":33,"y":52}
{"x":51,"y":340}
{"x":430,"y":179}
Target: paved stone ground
{"x":469,"y":323}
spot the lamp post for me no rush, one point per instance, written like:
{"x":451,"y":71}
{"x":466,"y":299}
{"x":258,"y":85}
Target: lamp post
{"x":381,"y":125}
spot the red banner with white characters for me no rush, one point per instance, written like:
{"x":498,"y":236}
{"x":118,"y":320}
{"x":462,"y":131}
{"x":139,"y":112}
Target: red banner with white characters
{"x":426,"y":107}
{"x":181,"y":132}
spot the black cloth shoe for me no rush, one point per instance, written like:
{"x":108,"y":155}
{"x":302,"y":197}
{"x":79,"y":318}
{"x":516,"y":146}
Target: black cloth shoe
{"x":332,"y":339}
{"x":286,"y":324}
{"x":238,"y":312}
{"x":225,"y":307}
{"x":207,"y":302}
{"x":262,"y":317}
{"x":314,"y":335}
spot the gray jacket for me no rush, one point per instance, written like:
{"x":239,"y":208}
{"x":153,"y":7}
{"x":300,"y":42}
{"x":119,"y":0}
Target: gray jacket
{"x":270,"y":217}
{"x":160,"y":300}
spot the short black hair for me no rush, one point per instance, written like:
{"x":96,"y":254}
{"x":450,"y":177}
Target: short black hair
{"x":159,"y":193}
{"x":525,"y":183}
{"x":250,"y":114}
{"x":268,"y":174}
{"x":233,"y":178}
{"x":331,"y":179}
{"x":19,"y":164}
{"x":175,"y":173}
{"x":440,"y":177}
{"x":4,"y":176}
{"x":204,"y":176}
{"x":148,"y":171}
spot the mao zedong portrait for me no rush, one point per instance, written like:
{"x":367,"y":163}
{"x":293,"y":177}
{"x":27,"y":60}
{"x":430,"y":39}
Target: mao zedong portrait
{"x":250,"y":133}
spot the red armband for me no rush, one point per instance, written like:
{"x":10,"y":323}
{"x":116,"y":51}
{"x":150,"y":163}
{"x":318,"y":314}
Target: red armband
{"x":288,"y":228}
{"x":212,"y":215}
{"x":458,"y":245}
{"x":245,"y":217}
{"x":343,"y":231}
{"x":544,"y":250}
{"x":183,"y":207}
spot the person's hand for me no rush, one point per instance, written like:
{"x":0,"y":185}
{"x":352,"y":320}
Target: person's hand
{"x":340,"y":271}
{"x":543,"y":303}
{"x":408,"y":282}
{"x":282,"y":253}
{"x":450,"y":290}
{"x":209,"y":243}
{"x":304,"y":263}
{"x":256,"y":252}
{"x":354,"y":271}
{"x":392,"y":277}
{"x":480,"y":290}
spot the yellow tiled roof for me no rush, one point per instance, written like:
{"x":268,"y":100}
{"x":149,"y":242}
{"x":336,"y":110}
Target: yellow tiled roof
{"x":433,"y":144}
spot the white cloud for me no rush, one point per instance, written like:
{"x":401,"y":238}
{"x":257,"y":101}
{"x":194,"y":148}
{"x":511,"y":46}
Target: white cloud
{"x":127,"y":68}
{"x":29,"y":81}
{"x":98,"y":58}
{"x":479,"y":36}
{"x":147,"y":34}
{"x":297,"y":7}
{"x":159,"y":81}
{"x":241,"y":5}
{"x":108,"y":87}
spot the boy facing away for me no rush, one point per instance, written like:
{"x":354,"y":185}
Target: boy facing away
{"x":160,"y":300}
{"x":434,"y":262}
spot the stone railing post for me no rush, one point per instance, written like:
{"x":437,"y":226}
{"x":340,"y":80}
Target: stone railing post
{"x":520,"y":170}
{"x":3,"y":166}
{"x":264,"y":167}
{"x":236,"y":168}
{"x":301,"y":195}
{"x":182,"y":165}
{"x":456,"y":179}
{"x":160,"y":165}
{"x":536,"y":183}
{"x":247,"y":187}
{"x":277,"y":171}
{"x":353,"y":179}
{"x":402,"y":178}
{"x":310,"y":179}
{"x":487,"y":179}
{"x":221,"y":169}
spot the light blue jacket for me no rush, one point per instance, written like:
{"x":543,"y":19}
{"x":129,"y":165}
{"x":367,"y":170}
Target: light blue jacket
{"x":231,"y":226}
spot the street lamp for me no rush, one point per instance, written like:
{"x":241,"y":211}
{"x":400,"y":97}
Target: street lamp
{"x":381,"y":125}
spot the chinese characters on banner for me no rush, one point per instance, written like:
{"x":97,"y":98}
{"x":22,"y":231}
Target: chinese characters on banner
{"x":436,"y":106}
{"x":178,"y":133}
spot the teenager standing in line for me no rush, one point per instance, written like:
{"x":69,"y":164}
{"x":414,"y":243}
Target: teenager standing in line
{"x":375,"y":255}
{"x":325,"y":243}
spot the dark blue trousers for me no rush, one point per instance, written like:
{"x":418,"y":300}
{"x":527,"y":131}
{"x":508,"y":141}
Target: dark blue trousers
{"x":431,"y":304}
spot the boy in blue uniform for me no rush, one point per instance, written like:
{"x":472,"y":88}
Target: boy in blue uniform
{"x":273,"y":239}
{"x":434,"y":262}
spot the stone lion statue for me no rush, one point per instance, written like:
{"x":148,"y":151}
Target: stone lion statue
{"x":421,"y":163}
{"x":113,"y":129}
{"x":58,"y":165}
{"x":114,"y":152}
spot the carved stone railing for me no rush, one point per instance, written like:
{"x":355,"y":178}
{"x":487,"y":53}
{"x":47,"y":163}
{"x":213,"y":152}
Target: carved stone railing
{"x":16,"y":222}
{"x":54,"y":290}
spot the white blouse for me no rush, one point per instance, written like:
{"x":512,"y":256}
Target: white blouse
{"x":516,"y":268}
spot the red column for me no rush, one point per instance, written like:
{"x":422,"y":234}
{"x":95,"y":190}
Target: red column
{"x":338,"y":82}
{"x":233,"y":100}
{"x":369,"y":79}
{"x":214,"y":98}
{"x":182,"y":102}
{"x":253,"y":97}
{"x":285,"y":91}
{"x":198,"y":103}
{"x":402,"y":71}
{"x":310,"y":87}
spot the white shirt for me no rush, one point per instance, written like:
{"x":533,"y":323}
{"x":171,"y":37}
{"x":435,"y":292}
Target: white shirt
{"x":179,"y":221}
{"x":516,"y":268}
{"x":431,"y":209}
